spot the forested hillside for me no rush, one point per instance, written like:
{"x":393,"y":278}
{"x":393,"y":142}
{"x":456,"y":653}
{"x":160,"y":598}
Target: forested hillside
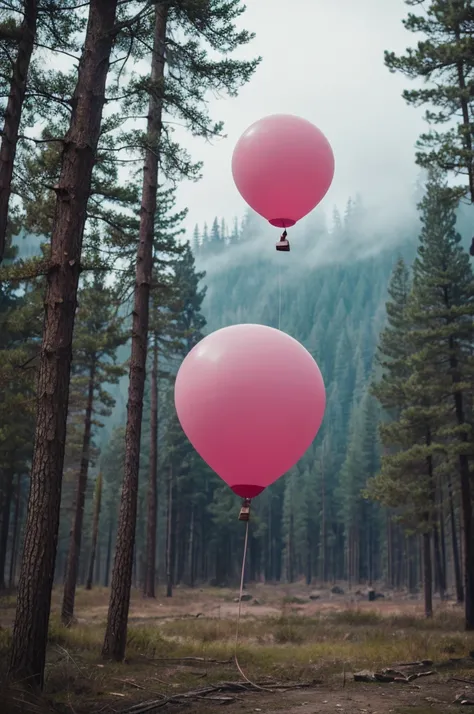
{"x":329,"y":293}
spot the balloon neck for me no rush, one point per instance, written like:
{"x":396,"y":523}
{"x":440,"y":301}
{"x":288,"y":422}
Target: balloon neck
{"x":282,"y":222}
{"x":247,"y":491}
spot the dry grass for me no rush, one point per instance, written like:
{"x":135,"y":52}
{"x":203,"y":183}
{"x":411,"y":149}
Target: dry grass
{"x":280,"y":638}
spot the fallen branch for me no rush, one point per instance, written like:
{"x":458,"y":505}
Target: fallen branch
{"x":389,"y":675}
{"x":461,"y":679}
{"x":211,"y":694}
{"x":204,"y":660}
{"x":131,"y":683}
{"x":417,"y":675}
{"x":184,"y":660}
{"x":463,"y":700}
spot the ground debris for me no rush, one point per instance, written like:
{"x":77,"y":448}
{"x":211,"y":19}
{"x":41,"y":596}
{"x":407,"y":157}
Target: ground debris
{"x":188,"y":661}
{"x":218,"y":694}
{"x":463,"y":700}
{"x":389,"y":675}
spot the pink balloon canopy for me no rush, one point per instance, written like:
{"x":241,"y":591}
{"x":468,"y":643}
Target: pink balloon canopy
{"x":251,"y":400}
{"x":283,"y":167}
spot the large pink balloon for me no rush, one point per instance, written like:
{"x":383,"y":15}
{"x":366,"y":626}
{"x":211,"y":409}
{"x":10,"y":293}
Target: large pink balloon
{"x":251,"y":400}
{"x":283,"y":167}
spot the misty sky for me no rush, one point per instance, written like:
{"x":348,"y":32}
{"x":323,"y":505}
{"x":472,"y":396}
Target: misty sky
{"x":322,"y":60}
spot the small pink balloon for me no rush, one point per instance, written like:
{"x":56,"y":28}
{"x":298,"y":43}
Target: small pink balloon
{"x":283,"y":167}
{"x":251,"y":400}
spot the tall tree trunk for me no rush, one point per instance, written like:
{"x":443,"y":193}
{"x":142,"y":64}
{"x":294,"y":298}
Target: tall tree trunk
{"x":95,"y":530}
{"x":16,"y":527}
{"x":427,"y":573}
{"x":324,"y":558}
{"x":12,"y":116}
{"x":98,"y":564}
{"x":389,"y":551}
{"x":442,"y":536}
{"x":440,"y":578}
{"x":108,"y":560}
{"x":176,"y":537}
{"x":430,"y":518}
{"x":70,"y":581}
{"x":454,"y":543}
{"x":149,"y":579}
{"x":413,"y":564}
{"x":5,"y":529}
{"x":465,"y":111}
{"x":466,"y":497}
{"x":30,"y":629}
{"x":169,"y":535}
{"x":116,"y":631}
{"x":190,"y":555}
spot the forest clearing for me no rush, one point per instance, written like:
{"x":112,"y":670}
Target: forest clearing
{"x":304,"y":651}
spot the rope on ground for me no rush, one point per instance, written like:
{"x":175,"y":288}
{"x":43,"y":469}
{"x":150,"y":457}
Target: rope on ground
{"x":237,"y":633}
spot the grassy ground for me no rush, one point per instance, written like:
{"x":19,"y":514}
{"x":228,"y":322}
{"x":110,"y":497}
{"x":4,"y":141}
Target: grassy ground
{"x":187,"y":643}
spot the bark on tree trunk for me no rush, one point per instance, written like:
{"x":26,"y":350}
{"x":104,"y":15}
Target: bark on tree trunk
{"x":6,"y":510}
{"x":95,"y":531}
{"x":466,"y":118}
{"x":30,"y":629}
{"x":109,"y":554}
{"x":169,"y":533}
{"x":440,"y":575}
{"x":70,"y":581}
{"x":442,"y":537}
{"x":149,"y":579}
{"x":390,"y":578}
{"x":190,"y":558}
{"x":16,"y":524}
{"x":466,"y":502}
{"x":116,"y":631}
{"x":454,"y":543}
{"x":12,"y":116}
{"x":324,"y":558}
{"x":427,"y":575}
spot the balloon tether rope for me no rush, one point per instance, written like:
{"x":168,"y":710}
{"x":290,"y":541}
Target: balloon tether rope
{"x":244,"y":516}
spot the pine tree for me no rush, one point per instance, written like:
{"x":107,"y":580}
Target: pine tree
{"x":444,"y":58}
{"x":360,"y":466}
{"x":111,"y":466}
{"x":162,"y":335}
{"x":441,"y":311}
{"x":406,"y":481}
{"x":394,"y":349}
{"x":224,"y":236}
{"x":95,"y":530}
{"x":215,"y":235}
{"x":186,"y":308}
{"x":116,"y":631}
{"x":51,"y":26}
{"x":196,"y":239}
{"x":20,"y":329}
{"x":30,"y":629}
{"x":97,"y":336}
{"x":182,"y":94}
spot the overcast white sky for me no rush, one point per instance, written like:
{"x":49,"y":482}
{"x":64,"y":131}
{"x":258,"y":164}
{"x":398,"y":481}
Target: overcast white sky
{"x":322,"y":60}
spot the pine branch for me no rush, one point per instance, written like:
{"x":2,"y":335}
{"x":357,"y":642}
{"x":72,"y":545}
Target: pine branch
{"x":25,"y":270}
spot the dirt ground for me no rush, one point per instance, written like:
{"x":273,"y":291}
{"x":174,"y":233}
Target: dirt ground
{"x":353,"y":699}
{"x":290,"y":636}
